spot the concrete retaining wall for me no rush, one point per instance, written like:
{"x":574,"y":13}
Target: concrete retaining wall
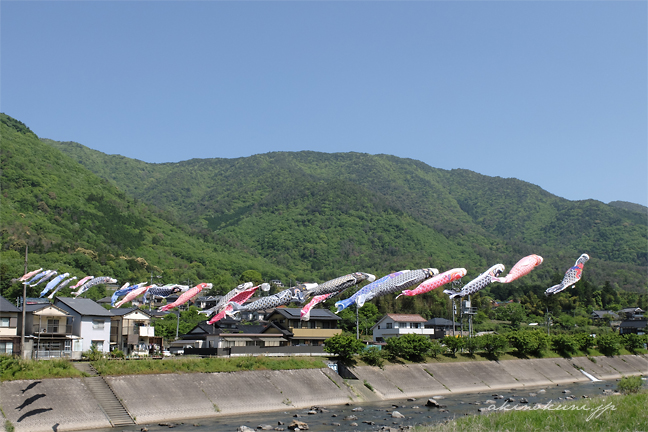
{"x":66,"y":404}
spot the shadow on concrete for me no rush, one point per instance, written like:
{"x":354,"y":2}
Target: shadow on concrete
{"x":33,"y":412}
{"x":30,"y":401}
{"x":31,"y":386}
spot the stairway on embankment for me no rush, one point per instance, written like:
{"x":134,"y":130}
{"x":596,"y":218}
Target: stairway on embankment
{"x":109,"y":403}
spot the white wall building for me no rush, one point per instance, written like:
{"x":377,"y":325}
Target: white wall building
{"x":91,"y":322}
{"x":399,"y":324}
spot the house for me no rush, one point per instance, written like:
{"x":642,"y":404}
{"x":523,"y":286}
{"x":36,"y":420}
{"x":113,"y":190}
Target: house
{"x":636,"y":326}
{"x":9,"y":330}
{"x":207,"y":302}
{"x":441,"y":327}
{"x":131,"y":332}
{"x":600,"y":315}
{"x":631,"y":313}
{"x":91,"y":322}
{"x":323,"y":324}
{"x":229,"y":333}
{"x":399,"y":324}
{"x":48,"y":332}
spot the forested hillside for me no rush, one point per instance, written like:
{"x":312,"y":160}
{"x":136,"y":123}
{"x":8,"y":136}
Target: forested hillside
{"x":74,"y":221}
{"x":321,"y":215}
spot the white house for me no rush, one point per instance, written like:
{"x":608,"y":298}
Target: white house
{"x":399,"y":324}
{"x":91,"y":322}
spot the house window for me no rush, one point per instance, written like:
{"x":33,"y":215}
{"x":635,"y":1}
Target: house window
{"x":4,"y":322}
{"x":97,"y":325}
{"x":327,"y":324}
{"x":415,"y":325}
{"x":6,"y":347}
{"x":98,"y":344}
{"x":52,"y":325}
{"x":312,"y":325}
{"x":68,"y":346}
{"x":389,"y":325}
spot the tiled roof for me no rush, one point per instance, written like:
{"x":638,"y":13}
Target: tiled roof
{"x":295,"y":313}
{"x":83,"y":306}
{"x":407,"y":317}
{"x":7,"y":306}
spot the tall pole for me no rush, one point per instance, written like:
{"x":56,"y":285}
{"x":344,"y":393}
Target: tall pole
{"x":357,"y":323}
{"x":22,"y":330}
{"x":177,"y":324}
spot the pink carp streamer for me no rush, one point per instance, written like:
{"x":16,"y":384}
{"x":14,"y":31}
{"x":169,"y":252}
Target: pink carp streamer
{"x":306,"y":310}
{"x":131,"y":295}
{"x":186,"y":296}
{"x":29,"y":275}
{"x":436,"y":282}
{"x":81,"y":282}
{"x":239,"y":298}
{"x":521,"y":268}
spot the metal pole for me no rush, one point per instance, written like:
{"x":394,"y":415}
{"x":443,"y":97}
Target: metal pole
{"x":357,"y":323}
{"x":22,"y":330}
{"x":177,"y":324}
{"x":454,"y":310}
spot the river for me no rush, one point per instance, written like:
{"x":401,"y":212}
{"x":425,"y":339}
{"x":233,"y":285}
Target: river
{"x":373,"y":416}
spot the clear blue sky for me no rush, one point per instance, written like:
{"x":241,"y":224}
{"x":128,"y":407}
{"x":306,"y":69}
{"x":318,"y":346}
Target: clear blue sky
{"x":553,"y":93}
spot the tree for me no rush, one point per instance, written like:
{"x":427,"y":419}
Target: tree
{"x":609,"y":344}
{"x":373,"y":356}
{"x":413,"y":347}
{"x":564,"y":344}
{"x":345,"y":346}
{"x":251,"y":276}
{"x":453,"y":344}
{"x":472,"y":344}
{"x":494,"y":344}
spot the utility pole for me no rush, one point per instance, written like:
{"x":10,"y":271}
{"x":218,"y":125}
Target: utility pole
{"x":22,"y":330}
{"x":357,"y":323}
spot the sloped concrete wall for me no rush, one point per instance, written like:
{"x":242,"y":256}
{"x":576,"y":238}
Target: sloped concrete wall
{"x":67,"y":404}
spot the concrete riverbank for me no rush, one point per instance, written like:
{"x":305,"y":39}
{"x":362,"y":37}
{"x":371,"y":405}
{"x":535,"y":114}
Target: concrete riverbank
{"x":67,"y":404}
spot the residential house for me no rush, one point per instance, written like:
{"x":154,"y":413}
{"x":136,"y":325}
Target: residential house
{"x":600,"y":315}
{"x":132,"y":333}
{"x":229,"y":333}
{"x":399,"y":324}
{"x":48,"y":332}
{"x":441,"y":327}
{"x":9,"y":330}
{"x":631,"y":313}
{"x":323,"y":324}
{"x":636,"y":326}
{"x":91,"y":322}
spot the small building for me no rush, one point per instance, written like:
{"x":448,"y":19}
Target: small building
{"x":323,"y":324}
{"x":632,"y":313}
{"x":600,"y":315}
{"x":91,"y":322}
{"x":9,"y":330}
{"x":131,"y":331}
{"x":399,"y":324}
{"x":48,"y":332}
{"x":636,"y":326}
{"x":441,"y":327}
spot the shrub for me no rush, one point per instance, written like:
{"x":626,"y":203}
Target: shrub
{"x":472,"y":344}
{"x":494,"y":344}
{"x":632,"y":342}
{"x":345,"y":346}
{"x":528,"y":342}
{"x":93,"y":354}
{"x":584,"y":341}
{"x":564,"y":344}
{"x":629,"y":384}
{"x":609,"y":344}
{"x":373,"y":356}
{"x":436,"y":348}
{"x":411,"y":347}
{"x":117,"y":354}
{"x":453,"y":344}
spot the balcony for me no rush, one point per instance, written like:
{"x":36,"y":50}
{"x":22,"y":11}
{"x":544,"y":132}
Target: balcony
{"x":314,"y":333}
{"x":52,"y":330}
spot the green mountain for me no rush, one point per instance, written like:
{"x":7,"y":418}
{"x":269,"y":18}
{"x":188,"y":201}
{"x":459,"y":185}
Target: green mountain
{"x":72,"y":220}
{"x":319,"y":215}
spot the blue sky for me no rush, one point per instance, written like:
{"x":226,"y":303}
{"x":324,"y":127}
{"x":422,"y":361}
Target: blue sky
{"x":553,"y":93}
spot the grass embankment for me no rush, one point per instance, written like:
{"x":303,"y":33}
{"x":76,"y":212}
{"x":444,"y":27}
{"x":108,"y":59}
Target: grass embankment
{"x":205,"y":365}
{"x":16,"y":369}
{"x":611,"y":413}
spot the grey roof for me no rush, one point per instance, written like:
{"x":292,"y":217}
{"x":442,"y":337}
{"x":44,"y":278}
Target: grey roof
{"x":83,"y":306}
{"x":632,"y":310}
{"x":634,"y":324}
{"x":7,"y":306}
{"x":295,"y":313}
{"x":124,"y":311}
{"x":601,"y":314}
{"x":440,"y":322}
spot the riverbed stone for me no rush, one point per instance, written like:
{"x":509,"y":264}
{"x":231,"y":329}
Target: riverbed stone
{"x":396,"y":414}
{"x":298,"y":425}
{"x":265,"y":427}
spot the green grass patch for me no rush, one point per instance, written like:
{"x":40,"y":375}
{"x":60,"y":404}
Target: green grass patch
{"x":18,"y":369}
{"x":204,"y":365}
{"x":612,"y":413}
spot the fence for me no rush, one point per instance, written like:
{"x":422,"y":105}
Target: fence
{"x":256,"y":350}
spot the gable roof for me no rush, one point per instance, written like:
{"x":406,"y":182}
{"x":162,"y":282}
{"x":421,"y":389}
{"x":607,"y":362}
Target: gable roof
{"x":126,"y":311}
{"x":83,"y":306}
{"x":601,"y":314}
{"x":7,"y":306}
{"x":440,"y":322}
{"x":316,"y":314}
{"x":406,"y":317}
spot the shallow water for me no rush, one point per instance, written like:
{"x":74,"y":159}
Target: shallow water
{"x":378,"y":414}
